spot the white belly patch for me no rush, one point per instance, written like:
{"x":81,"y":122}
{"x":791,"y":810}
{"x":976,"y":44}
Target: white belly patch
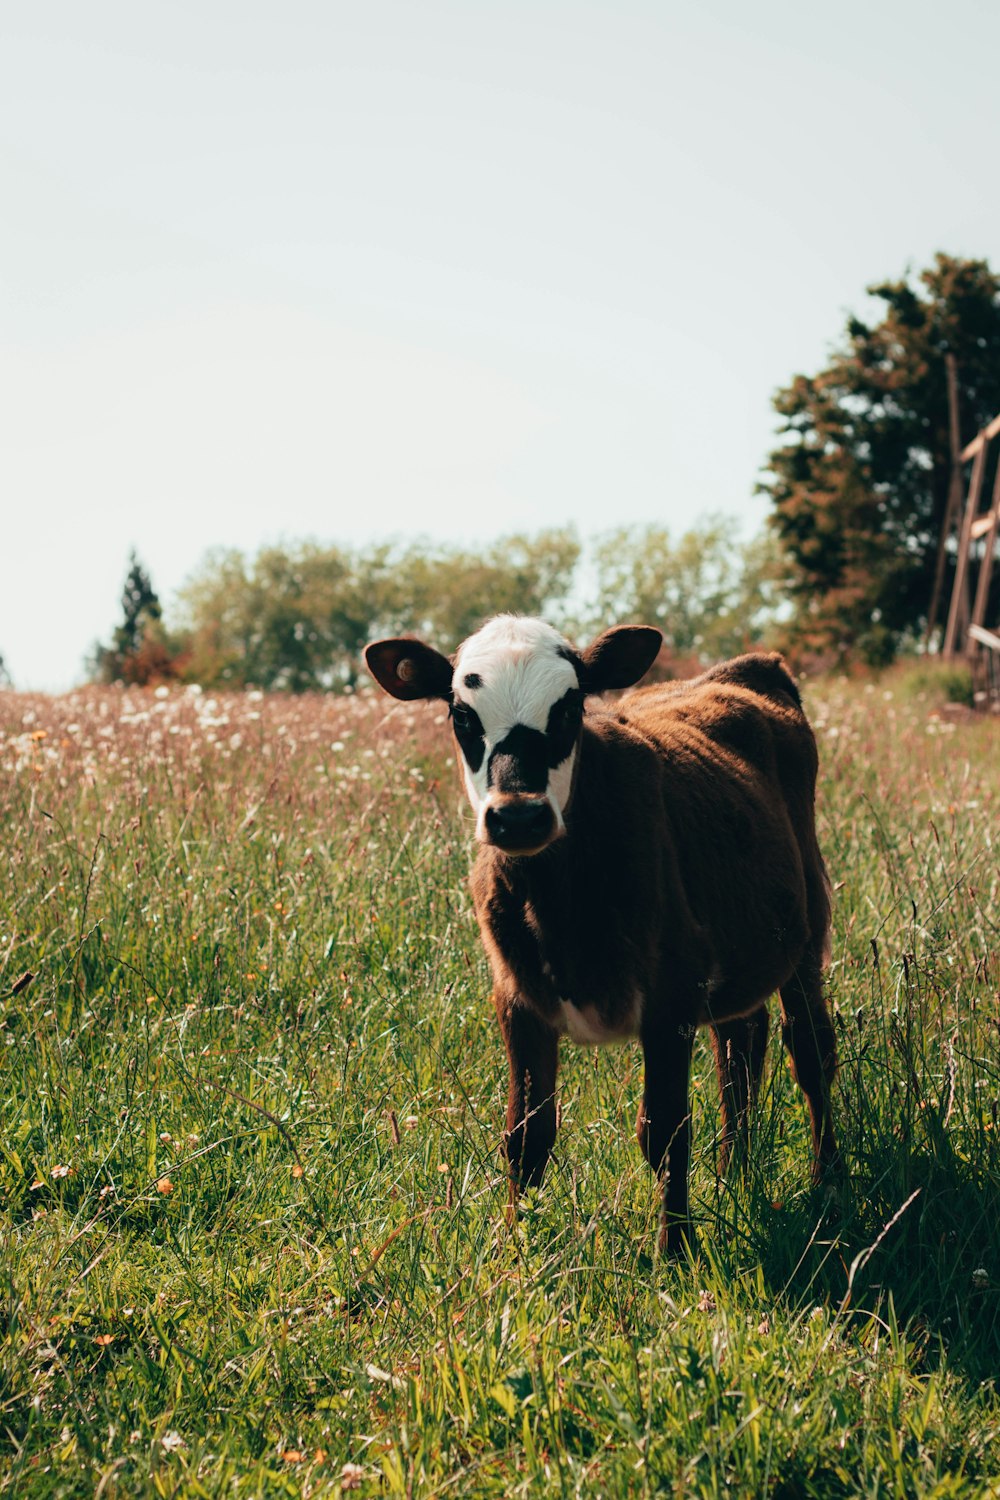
{"x":585,"y":1027}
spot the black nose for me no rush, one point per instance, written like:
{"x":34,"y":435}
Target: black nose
{"x":524,"y":823}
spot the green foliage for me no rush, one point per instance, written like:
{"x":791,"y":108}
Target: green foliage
{"x":285,"y":620}
{"x":711,"y":595}
{"x":298,"y":617}
{"x":254,"y":1233}
{"x":932,"y":681}
{"x":455,"y":591}
{"x":860,"y":483}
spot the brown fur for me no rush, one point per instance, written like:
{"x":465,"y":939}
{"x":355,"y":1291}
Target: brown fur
{"x":689,"y":875}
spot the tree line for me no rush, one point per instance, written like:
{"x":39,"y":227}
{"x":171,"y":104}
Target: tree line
{"x":858,"y":484}
{"x":297,"y":617}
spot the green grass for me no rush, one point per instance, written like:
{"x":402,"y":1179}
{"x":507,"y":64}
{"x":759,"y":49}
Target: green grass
{"x":254,"y":1239}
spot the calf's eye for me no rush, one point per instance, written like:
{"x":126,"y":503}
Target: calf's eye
{"x":469,"y":733}
{"x":563,"y":726}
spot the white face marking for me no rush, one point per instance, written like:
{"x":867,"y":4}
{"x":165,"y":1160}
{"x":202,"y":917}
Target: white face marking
{"x":522,"y":675}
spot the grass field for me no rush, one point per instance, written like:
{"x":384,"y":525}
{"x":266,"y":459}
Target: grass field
{"x":250,"y":1193}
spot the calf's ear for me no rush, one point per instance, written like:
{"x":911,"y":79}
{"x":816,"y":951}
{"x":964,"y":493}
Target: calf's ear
{"x":408,"y":669}
{"x":619,"y":657}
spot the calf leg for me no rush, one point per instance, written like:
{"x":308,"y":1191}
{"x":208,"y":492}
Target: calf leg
{"x":533,"y":1055}
{"x":740,"y":1047}
{"x":807,"y":1032}
{"x":664,"y":1128}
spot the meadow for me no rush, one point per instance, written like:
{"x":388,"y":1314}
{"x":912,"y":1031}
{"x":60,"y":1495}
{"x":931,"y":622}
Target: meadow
{"x":252,"y":1209}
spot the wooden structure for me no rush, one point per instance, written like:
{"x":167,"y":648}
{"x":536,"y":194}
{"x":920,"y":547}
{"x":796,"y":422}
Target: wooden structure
{"x":966,"y":633}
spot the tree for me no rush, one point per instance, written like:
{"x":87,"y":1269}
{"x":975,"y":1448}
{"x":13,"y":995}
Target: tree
{"x":706,"y":591}
{"x":140,"y":604}
{"x":5,"y":679}
{"x":292,"y":618}
{"x":299,"y":617}
{"x":860,"y":484}
{"x":451,"y":591}
{"x":141,"y":651}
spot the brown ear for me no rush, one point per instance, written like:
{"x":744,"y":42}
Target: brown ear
{"x":408,"y":669}
{"x":619,"y":657}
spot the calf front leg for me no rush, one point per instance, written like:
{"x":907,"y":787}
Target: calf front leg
{"x":533,"y":1055}
{"x":664,"y":1126}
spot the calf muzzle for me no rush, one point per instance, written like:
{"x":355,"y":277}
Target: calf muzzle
{"x":520,"y":825}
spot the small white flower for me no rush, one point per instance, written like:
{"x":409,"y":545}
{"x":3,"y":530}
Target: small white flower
{"x":980,"y":1279}
{"x":172,"y":1441}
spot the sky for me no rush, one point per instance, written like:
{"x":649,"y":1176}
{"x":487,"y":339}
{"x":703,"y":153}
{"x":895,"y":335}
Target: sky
{"x":456,"y":268}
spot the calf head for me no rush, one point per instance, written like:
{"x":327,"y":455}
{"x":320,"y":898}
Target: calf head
{"x":516,"y":693}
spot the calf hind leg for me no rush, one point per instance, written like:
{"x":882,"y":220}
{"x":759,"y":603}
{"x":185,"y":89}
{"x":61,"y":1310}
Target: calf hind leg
{"x":807,"y":1032}
{"x":740,"y":1047}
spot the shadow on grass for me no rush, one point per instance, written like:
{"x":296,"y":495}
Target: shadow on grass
{"x":919,"y":1226}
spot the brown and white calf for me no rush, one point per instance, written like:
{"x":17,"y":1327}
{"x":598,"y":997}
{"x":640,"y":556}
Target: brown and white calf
{"x":645,"y":867}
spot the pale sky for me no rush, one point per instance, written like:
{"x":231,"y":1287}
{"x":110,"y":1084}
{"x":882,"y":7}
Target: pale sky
{"x":270,"y":271}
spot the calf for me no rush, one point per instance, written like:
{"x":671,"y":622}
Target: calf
{"x":645,"y":867}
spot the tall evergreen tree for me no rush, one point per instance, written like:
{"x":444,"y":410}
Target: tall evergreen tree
{"x":136,"y":653}
{"x":140,"y":604}
{"x":860,"y":483}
